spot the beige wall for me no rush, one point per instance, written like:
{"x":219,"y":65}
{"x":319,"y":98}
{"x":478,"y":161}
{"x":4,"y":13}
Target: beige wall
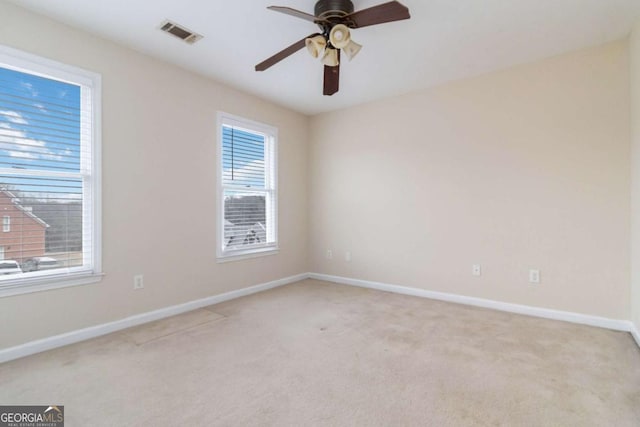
{"x":524,"y":168}
{"x":156,"y":154}
{"x":635,"y":173}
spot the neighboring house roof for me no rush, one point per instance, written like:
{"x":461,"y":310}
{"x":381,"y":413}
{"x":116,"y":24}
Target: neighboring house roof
{"x":27,"y":211}
{"x":236,"y":236}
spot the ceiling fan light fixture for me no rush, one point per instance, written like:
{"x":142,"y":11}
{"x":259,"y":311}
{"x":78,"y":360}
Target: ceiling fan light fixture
{"x":330,"y":57}
{"x":333,"y":9}
{"x":335,"y":18}
{"x":315,"y":45}
{"x":340,"y":36}
{"x":351,"y":49}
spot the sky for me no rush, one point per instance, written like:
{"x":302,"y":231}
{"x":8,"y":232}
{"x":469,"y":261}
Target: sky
{"x":242,"y":158}
{"x":39,"y":130}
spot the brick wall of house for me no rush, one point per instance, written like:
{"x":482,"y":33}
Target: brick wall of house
{"x":26,"y":235}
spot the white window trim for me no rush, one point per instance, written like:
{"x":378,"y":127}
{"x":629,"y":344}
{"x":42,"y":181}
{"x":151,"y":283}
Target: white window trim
{"x":6,"y":224}
{"x":272,"y":133}
{"x":32,"y":64}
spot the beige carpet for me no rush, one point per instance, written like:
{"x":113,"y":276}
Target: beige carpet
{"x":314,"y":353}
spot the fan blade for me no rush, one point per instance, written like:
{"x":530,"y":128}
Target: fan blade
{"x":283,"y":54}
{"x":386,"y":12}
{"x":294,"y":12}
{"x":331,"y":79}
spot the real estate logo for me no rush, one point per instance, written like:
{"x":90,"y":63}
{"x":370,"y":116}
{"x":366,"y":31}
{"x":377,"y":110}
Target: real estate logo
{"x":32,"y":416}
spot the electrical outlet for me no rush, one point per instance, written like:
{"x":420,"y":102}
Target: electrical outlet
{"x":347,"y":256}
{"x":138,"y":281}
{"x":329,"y":254}
{"x":476,"y":270}
{"x":534,"y":276}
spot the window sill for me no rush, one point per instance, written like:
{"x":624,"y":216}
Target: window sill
{"x":242,"y":255}
{"x":46,"y":283}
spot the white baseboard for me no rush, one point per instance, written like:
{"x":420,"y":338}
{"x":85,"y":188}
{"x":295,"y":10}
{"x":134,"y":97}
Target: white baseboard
{"x":72,"y":337}
{"x":49,"y":343}
{"x":583,"y":319}
{"x":635,"y":333}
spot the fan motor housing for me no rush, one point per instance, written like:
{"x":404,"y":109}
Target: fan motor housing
{"x":328,"y":9}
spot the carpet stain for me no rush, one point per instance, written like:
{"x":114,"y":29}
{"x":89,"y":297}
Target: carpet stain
{"x":168,"y":327}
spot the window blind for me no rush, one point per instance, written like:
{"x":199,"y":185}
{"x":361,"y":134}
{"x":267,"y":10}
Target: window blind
{"x":248,"y":189}
{"x":46,"y":173}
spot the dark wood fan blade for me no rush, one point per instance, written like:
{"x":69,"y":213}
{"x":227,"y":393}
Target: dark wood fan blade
{"x":331,"y":78}
{"x":386,"y":12}
{"x":293,"y":12}
{"x":283,"y":54}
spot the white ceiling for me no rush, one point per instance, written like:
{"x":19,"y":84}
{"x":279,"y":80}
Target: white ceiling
{"x":444,"y":40}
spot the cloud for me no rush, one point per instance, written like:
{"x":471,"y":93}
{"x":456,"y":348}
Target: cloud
{"x":28,"y":86}
{"x":13,"y":117}
{"x":22,"y":155}
{"x":41,"y":108}
{"x":248,"y":174}
{"x":18,"y":145}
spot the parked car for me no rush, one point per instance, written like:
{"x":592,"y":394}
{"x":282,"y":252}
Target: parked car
{"x":40,"y":263}
{"x":8,"y":266}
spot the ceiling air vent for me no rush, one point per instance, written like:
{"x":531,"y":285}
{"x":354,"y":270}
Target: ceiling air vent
{"x":179,"y":31}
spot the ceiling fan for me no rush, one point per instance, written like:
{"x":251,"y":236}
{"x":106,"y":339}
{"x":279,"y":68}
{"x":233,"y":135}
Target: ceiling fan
{"x":335,"y":19}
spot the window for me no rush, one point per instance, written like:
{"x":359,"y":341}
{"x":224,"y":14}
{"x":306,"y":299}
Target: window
{"x":6,"y":224}
{"x":49,"y":173}
{"x":247,"y":190}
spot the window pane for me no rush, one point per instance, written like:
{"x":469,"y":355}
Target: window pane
{"x":42,"y":133}
{"x":243,"y":158}
{"x":40,"y":125}
{"x":245,"y":221}
{"x":46,"y":222}
{"x":248,"y":221}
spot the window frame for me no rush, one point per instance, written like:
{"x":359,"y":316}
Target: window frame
{"x":6,"y":223}
{"x":271,"y":186}
{"x":17,"y":60}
